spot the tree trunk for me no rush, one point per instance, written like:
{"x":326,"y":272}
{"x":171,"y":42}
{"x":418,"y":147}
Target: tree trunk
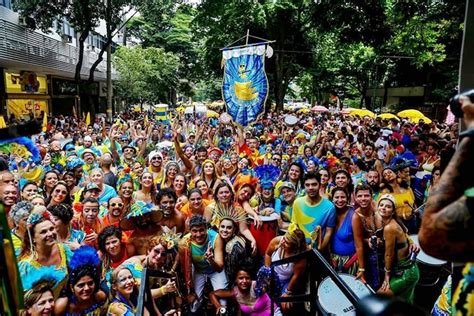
{"x":100,"y":58}
{"x":279,"y":83}
{"x":385,"y":96}
{"x":80,"y":57}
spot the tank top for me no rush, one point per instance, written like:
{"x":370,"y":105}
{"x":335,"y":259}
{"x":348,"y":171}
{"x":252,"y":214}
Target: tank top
{"x":284,"y":271}
{"x":343,"y":240}
{"x":198,"y":252}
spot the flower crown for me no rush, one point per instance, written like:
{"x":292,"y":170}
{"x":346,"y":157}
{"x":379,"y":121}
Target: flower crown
{"x":35,"y":217}
{"x":171,"y":237}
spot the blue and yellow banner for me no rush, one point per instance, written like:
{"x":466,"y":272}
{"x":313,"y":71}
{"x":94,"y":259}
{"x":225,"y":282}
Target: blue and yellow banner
{"x":245,"y":85}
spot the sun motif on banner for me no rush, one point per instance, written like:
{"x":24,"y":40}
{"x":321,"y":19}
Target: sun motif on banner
{"x":245,"y":84}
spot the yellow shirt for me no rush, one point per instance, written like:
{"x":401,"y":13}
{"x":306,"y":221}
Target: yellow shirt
{"x":404,"y":202}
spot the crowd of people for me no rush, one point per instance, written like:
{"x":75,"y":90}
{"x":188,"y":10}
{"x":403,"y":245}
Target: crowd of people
{"x":211,"y":205}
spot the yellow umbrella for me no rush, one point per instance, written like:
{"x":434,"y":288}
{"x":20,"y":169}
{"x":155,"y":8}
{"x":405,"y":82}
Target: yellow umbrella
{"x":2,"y":122}
{"x":211,"y":113}
{"x":388,"y":116}
{"x":362,"y":113}
{"x":417,"y":120}
{"x":411,"y":113}
{"x":180,"y":109}
{"x":88,"y":119}
{"x":45,"y":122}
{"x":303,"y":111}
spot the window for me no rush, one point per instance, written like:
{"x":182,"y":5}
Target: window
{"x":6,"y":3}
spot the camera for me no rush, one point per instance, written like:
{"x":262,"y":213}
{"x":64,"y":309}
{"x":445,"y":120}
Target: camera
{"x":455,"y":103}
{"x":228,"y":132}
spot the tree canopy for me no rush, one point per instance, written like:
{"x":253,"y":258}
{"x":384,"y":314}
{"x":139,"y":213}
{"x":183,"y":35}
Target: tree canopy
{"x":145,"y":74}
{"x":339,"y":47}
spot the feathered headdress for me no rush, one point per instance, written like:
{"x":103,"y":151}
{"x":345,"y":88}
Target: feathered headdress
{"x":267,"y":175}
{"x":85,"y":257}
{"x":123,"y":176}
{"x":23,"y":147}
{"x":73,"y":163}
{"x":45,"y":274}
{"x":243,"y":179}
{"x":235,"y":214}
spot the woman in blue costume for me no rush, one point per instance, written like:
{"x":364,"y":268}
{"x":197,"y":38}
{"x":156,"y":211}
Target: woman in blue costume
{"x":124,"y":292}
{"x":343,"y":251}
{"x":41,"y":252}
{"x":82,"y":294}
{"x":106,"y":191}
{"x":125,"y":295}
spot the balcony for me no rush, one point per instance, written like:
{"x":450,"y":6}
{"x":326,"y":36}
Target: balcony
{"x":24,"y":49}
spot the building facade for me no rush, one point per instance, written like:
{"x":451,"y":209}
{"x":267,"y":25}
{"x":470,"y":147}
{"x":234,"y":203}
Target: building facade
{"x":37,"y":69}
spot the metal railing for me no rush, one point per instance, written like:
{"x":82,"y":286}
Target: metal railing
{"x":316,"y":265}
{"x":145,"y":298}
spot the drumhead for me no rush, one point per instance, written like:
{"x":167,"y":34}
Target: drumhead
{"x":272,"y":217}
{"x":332,"y":300}
{"x":424,"y":258}
{"x":291,"y":119}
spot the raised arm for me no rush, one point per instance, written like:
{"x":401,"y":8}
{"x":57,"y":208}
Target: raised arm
{"x":448,"y":221}
{"x":180,"y":152}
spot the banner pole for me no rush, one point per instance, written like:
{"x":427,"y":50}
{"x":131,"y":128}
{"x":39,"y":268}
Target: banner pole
{"x":247,"y":37}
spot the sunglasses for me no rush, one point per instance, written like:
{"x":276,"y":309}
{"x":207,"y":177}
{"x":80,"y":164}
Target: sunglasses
{"x":116,"y":204}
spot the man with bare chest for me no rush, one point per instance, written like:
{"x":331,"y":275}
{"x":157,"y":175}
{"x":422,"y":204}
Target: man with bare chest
{"x":144,"y":221}
{"x":166,"y":199}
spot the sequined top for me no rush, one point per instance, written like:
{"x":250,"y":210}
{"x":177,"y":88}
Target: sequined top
{"x":97,"y":309}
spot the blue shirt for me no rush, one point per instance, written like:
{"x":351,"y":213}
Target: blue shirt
{"x":109,"y":192}
{"x":308,"y":217}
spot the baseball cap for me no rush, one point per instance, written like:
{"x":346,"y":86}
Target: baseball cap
{"x":87,"y":138}
{"x":91,"y":186}
{"x":288,"y":185}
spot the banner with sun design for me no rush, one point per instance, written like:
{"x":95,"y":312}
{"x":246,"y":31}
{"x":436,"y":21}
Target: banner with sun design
{"x":245,"y":85}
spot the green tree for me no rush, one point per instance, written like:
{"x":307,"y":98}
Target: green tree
{"x":219,"y":22}
{"x":167,"y":24}
{"x":382,"y":43}
{"x":145,"y":74}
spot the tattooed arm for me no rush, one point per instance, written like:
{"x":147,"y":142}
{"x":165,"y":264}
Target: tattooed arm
{"x":447,"y":226}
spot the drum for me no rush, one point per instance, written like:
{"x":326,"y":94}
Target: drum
{"x":430,"y":267}
{"x":265,"y":233}
{"x":331,"y":299}
{"x":291,"y":119}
